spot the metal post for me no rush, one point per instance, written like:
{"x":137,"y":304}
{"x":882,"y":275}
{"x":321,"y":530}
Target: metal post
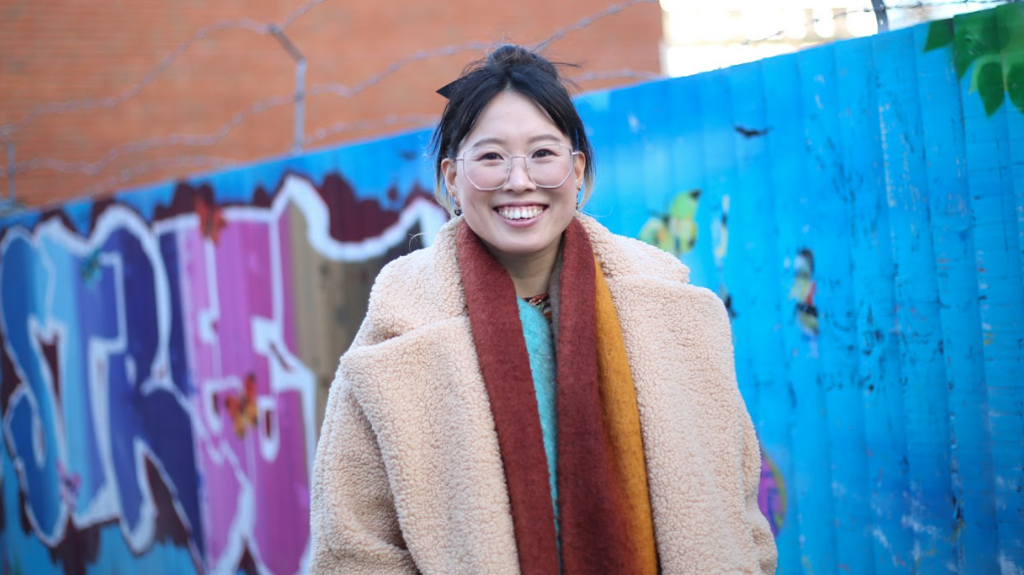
{"x":300,"y":105}
{"x":880,"y":15}
{"x":300,"y":85}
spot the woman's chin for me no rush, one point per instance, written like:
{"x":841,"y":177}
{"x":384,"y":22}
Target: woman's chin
{"x":521,"y":241}
{"x":521,"y":248}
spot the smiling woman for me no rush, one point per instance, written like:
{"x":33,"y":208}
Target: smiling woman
{"x":533,"y":394}
{"x":518,"y":209}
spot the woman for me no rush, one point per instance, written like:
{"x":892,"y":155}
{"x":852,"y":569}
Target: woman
{"x":533,"y":393}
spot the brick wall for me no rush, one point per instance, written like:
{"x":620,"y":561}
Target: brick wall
{"x":73,"y":49}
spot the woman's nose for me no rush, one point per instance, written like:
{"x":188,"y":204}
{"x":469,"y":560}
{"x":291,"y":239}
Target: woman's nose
{"x":519,"y":175}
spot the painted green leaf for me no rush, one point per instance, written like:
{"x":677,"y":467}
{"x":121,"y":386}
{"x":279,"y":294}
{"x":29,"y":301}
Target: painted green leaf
{"x":940,"y":33}
{"x":990,"y":86}
{"x":1010,"y":22}
{"x":1015,"y":85}
{"x":976,"y":68}
{"x":975,"y":36}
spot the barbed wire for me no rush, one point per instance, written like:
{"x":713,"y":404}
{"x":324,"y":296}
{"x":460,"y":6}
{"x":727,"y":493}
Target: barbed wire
{"x":623,"y":74}
{"x":362,"y":125}
{"x":207,"y":161}
{"x":201,"y":140}
{"x":247,"y":24}
{"x":350,"y":92}
{"x":299,"y":13}
{"x":96,"y":167}
{"x":813,"y":21}
{"x":900,"y":6}
{"x":93,"y":168}
{"x":269,"y":28}
{"x":588,"y":20}
{"x":129,"y":174}
{"x":206,"y":140}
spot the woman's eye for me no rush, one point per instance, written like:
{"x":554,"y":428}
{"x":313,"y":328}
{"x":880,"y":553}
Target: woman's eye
{"x":490,"y":157}
{"x":544,"y":153}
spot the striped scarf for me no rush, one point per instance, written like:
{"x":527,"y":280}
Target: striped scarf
{"x":605,"y":513}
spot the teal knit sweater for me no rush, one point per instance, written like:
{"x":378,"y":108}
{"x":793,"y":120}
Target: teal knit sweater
{"x":541,"y":346}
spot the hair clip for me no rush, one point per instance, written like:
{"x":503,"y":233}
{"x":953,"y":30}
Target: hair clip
{"x":448,"y":88}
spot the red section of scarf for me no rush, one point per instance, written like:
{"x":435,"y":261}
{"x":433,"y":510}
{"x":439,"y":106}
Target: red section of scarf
{"x":505,"y":365}
{"x":593,"y":526}
{"x":592,"y":519}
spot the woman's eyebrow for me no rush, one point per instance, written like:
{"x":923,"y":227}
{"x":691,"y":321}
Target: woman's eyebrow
{"x":488,"y":140}
{"x":493,"y":140}
{"x":544,"y":138}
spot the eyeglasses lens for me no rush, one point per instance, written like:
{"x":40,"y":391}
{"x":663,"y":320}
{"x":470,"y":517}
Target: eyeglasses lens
{"x":548,"y":166}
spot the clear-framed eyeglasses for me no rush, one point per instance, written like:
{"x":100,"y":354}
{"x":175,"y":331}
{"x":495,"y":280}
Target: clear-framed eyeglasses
{"x":489,"y":168}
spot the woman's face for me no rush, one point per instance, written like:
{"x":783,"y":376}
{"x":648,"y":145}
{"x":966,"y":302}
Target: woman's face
{"x":519,"y":219}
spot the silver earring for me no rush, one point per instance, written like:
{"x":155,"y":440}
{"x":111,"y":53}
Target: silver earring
{"x":458,"y":211}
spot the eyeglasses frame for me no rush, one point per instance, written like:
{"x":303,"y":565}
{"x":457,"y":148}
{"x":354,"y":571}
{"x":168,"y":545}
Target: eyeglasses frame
{"x":526,"y":165}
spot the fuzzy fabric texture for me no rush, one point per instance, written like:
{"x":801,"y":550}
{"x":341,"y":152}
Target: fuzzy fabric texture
{"x":504,"y":362}
{"x":541,"y":347}
{"x":409,"y":478}
{"x":622,"y":423}
{"x":594,"y":531}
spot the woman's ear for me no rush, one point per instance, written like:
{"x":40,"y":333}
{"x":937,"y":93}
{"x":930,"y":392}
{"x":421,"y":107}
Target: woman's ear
{"x":579,"y":168}
{"x":448,"y":167}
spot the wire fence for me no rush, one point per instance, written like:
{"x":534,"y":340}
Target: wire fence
{"x":882,"y":11}
{"x":106,"y":162}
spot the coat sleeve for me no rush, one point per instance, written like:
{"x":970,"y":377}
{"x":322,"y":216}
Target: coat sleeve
{"x":764,"y":549}
{"x":354,"y":525}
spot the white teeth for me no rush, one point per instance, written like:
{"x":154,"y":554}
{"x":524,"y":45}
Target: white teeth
{"x":525,"y":213}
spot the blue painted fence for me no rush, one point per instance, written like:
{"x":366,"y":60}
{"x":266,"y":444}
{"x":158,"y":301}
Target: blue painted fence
{"x":859,"y":207}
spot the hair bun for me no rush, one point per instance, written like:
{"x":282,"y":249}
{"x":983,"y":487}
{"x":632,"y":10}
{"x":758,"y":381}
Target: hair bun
{"x":511,"y":56}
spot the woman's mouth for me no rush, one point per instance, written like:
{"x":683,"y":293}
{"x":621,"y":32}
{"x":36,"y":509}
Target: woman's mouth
{"x":519,"y":213}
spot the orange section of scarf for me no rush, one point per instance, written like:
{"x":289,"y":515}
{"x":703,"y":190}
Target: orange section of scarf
{"x":622,"y":423}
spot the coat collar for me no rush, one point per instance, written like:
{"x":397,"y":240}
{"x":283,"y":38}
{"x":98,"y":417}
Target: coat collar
{"x":425,"y":287}
{"x":620,"y":256}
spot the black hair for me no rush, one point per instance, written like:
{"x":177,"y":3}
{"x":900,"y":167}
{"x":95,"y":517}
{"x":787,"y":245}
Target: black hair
{"x":517,"y":69}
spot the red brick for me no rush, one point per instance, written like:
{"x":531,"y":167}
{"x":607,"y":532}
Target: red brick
{"x":73,"y":49}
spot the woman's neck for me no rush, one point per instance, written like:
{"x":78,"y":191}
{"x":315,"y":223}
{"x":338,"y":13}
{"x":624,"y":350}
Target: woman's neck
{"x":530,"y":274}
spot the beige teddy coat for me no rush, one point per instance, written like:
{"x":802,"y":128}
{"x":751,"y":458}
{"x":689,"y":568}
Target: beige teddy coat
{"x":408,"y":476}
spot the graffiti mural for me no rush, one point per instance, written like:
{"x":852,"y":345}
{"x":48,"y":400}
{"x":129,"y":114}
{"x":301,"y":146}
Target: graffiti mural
{"x":84,"y":367}
{"x":772,"y":496}
{"x":674,"y":231}
{"x":151,"y":382}
{"x":990,"y":45}
{"x":802,"y":293}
